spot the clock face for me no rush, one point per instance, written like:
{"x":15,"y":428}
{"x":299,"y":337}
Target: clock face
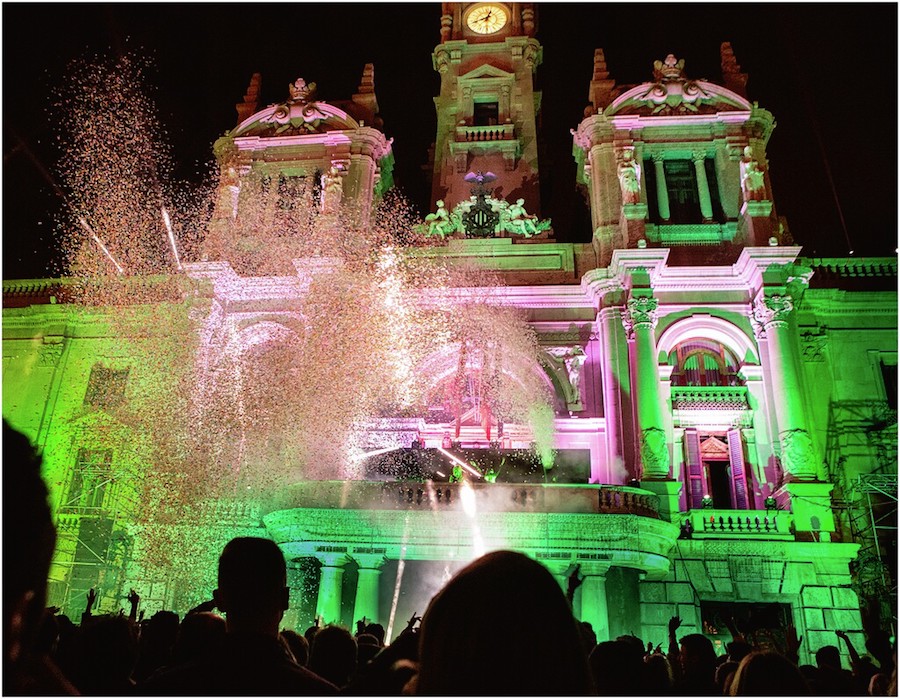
{"x":487,"y":19}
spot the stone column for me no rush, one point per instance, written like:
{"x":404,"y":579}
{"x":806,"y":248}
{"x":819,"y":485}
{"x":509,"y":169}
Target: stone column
{"x":662,"y":193}
{"x":367,"y":586}
{"x":703,"y":186}
{"x":770,"y":316}
{"x":614,"y":373}
{"x":639,"y":321}
{"x":328,"y":604}
{"x":594,"y":609}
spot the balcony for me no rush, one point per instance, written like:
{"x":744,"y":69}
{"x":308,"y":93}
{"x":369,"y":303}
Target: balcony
{"x":755,"y":524}
{"x":710,"y":398}
{"x":479,"y":134}
{"x":612,"y":525}
{"x":448,"y":497}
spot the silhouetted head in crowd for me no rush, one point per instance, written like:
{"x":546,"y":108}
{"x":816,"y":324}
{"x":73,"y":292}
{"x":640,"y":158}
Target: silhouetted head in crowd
{"x":252,"y":589}
{"x":737,"y":650}
{"x":377,"y":630}
{"x":878,"y":685}
{"x":28,"y":541}
{"x":366,"y":648}
{"x":158,"y":637}
{"x":657,"y":675}
{"x":725,"y":674}
{"x":482,"y":634}
{"x":767,"y":673}
{"x":200,"y":634}
{"x":108,"y":652}
{"x":298,"y":644}
{"x":333,"y":655}
{"x":698,"y":663}
{"x":828,"y":656}
{"x":617,"y":668}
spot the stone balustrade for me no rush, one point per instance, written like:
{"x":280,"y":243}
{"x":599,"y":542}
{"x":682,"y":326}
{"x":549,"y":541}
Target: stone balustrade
{"x":472,"y":134}
{"x":763,"y":524}
{"x":495,"y":497}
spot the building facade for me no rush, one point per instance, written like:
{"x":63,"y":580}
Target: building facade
{"x":724,"y":428}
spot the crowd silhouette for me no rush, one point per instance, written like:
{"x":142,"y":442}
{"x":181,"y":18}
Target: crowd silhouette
{"x":525,"y":641}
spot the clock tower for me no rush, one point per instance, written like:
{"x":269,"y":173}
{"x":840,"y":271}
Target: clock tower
{"x":488,"y":109}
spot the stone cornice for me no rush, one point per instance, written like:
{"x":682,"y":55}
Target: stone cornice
{"x":759,"y":267}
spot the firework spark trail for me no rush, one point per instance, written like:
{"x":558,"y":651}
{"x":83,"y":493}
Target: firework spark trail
{"x":97,"y":240}
{"x":168,"y":222}
{"x":460,"y":462}
{"x":401,"y":564}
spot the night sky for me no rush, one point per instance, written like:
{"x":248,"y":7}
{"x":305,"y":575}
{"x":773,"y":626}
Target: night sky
{"x":827,"y":72}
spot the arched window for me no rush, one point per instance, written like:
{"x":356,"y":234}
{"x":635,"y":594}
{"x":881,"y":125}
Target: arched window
{"x":700,"y":362}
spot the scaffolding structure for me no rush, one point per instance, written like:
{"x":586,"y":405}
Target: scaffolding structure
{"x":865,"y":501}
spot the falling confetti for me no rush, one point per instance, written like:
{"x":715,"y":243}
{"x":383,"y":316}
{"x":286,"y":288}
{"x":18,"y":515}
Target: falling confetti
{"x":226,"y":409}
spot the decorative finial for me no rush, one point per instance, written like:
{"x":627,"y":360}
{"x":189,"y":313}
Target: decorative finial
{"x":367,"y":83}
{"x":732,"y":76}
{"x":600,"y":71}
{"x":251,"y":98}
{"x":669,"y":70}
{"x":300,"y":91}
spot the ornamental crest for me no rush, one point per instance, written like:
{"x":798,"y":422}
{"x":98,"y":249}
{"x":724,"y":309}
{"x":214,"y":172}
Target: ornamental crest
{"x":300,"y":112}
{"x":481,"y":219}
{"x":482,"y":216}
{"x":672,"y":92}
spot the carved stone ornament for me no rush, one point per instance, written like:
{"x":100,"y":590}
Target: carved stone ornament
{"x":629,"y":177}
{"x":301,"y":91}
{"x":442,"y":60}
{"x":332,"y":190}
{"x":299,"y":111}
{"x":639,"y":311}
{"x":770,"y":311}
{"x":654,"y":452}
{"x":573,"y":359}
{"x":672,"y":91}
{"x":797,"y":454}
{"x":49,"y":354}
{"x":669,"y":69}
{"x":482,"y":216}
{"x":753,"y":180}
{"x":813,"y":345}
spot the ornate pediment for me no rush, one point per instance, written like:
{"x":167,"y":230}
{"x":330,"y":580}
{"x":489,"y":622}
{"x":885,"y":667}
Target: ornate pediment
{"x":713,"y":448}
{"x":673,"y":93}
{"x":486,"y":72}
{"x":299,"y":115}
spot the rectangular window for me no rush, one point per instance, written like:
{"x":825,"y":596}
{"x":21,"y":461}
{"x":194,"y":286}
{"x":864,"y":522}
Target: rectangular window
{"x":486,"y":114}
{"x":91,"y":482}
{"x":889,"y":377}
{"x":106,"y":387}
{"x":681,"y":184}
